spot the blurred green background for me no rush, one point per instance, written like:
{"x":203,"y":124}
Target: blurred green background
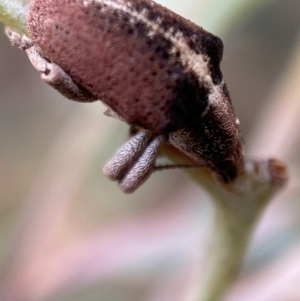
{"x":68,"y":233}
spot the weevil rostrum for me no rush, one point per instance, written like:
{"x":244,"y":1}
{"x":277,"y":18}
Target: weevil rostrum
{"x":153,"y":69}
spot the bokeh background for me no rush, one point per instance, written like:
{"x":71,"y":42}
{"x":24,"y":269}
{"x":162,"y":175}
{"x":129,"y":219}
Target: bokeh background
{"x":68,"y":233}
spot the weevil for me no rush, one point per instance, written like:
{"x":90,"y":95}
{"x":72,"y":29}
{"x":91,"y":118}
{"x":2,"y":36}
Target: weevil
{"x":153,"y":69}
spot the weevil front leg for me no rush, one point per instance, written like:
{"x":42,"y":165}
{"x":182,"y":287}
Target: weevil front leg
{"x":125,"y":157}
{"x":134,"y":161}
{"x":143,"y":167}
{"x":51,"y":73}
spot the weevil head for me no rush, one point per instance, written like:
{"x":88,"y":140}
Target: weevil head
{"x":213,"y":137}
{"x":211,"y":133}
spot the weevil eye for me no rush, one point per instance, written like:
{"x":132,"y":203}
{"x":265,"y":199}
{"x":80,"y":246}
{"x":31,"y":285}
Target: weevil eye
{"x":214,"y":50}
{"x":214,"y":46}
{"x":227,"y":170}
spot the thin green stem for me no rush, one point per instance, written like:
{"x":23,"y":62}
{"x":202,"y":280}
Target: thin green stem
{"x":231,"y":234}
{"x":238,"y":207}
{"x":13,"y":14}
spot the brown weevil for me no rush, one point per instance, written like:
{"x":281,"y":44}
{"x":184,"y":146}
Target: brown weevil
{"x":153,"y":69}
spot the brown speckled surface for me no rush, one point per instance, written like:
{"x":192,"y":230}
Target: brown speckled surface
{"x":116,"y":60}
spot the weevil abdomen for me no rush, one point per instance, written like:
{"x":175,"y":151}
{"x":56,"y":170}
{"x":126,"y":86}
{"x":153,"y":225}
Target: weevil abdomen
{"x":151,"y":66}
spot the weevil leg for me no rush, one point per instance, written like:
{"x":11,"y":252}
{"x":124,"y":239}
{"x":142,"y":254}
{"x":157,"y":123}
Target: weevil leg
{"x":51,"y":73}
{"x":133,"y":130}
{"x":143,"y":167}
{"x":125,"y":157}
{"x":178,"y":166}
{"x":17,"y":40}
{"x":111,"y":113}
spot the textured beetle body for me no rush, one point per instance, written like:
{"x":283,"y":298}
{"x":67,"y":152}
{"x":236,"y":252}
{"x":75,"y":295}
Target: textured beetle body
{"x":132,"y":55}
{"x":152,"y":67}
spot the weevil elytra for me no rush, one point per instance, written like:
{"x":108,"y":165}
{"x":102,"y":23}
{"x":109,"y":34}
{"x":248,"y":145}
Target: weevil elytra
{"x":151,"y":67}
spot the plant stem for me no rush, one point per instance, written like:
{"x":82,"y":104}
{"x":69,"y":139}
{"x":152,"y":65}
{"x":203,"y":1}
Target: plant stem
{"x":231,"y":234}
{"x":237,"y":208}
{"x":13,"y":14}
